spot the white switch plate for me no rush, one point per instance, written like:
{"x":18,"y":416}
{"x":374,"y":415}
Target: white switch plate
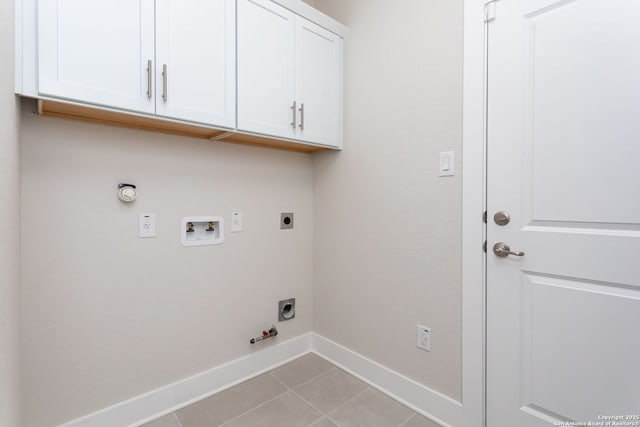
{"x":447,"y":163}
{"x":423,"y":337}
{"x":147,"y":225}
{"x":236,"y":222}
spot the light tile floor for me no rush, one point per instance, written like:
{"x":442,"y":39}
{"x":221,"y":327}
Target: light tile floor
{"x":308,"y":391}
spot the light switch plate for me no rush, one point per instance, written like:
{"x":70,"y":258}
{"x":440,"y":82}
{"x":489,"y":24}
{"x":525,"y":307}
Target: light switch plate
{"x":447,"y":163}
{"x":147,"y":227}
{"x":236,"y":222}
{"x":423,"y":337}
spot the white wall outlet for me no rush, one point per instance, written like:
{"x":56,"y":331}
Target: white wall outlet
{"x":423,"y":337}
{"x":447,"y":163}
{"x":236,"y":222}
{"x":147,"y":226}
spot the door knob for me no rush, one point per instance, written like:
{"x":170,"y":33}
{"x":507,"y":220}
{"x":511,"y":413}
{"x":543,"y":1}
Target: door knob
{"x":502,"y":250}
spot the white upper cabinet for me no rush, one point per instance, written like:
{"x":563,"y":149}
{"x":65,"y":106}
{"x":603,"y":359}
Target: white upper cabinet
{"x":97,"y":52}
{"x":318,"y":83}
{"x":289,"y":75}
{"x":172,"y":58}
{"x":246,"y":71}
{"x":266,"y":68}
{"x":195,"y":61}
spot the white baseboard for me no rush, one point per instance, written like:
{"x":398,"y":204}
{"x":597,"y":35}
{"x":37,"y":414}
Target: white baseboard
{"x":430,"y":403}
{"x":151,"y":405}
{"x":146,"y":407}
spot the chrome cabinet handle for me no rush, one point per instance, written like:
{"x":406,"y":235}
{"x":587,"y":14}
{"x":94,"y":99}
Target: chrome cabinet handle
{"x":164,"y":82}
{"x":301,"y":116}
{"x":293,"y":109}
{"x":149,"y":77}
{"x":502,"y":250}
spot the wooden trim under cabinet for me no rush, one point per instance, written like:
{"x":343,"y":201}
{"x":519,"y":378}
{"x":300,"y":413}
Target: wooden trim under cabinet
{"x":132,"y":121}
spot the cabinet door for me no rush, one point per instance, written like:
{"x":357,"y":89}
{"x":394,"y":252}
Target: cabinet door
{"x":195,"y":61}
{"x":266,"y":73}
{"x":97,"y":51}
{"x":318,"y":84}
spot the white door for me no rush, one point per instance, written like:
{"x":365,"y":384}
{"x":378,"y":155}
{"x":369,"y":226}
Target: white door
{"x":195,"y":66}
{"x":564,"y":162}
{"x":98,"y":52}
{"x":266,"y":70}
{"x":318,"y":77}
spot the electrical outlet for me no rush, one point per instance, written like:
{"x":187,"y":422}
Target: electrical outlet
{"x":147,"y":227}
{"x":423,"y":337}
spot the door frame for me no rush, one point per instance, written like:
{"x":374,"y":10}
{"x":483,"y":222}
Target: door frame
{"x":473,"y":205}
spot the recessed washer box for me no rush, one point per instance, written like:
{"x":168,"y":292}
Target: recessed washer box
{"x":202,"y":230}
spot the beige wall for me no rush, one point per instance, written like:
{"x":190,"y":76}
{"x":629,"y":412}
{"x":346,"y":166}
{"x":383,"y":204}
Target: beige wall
{"x":9,"y":227}
{"x":106,"y":315}
{"x":388,"y":229}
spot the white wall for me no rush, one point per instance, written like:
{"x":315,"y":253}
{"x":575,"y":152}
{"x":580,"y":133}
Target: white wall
{"x":9,"y":226}
{"x":388,"y":229}
{"x":106,"y":315}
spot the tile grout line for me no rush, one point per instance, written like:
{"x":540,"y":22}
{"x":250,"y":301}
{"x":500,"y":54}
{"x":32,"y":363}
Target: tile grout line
{"x":310,"y":404}
{"x":288,"y":389}
{"x":307,"y":381}
{"x":346,"y":403}
{"x":323,"y":415}
{"x":254,"y":408}
{"x":306,"y":401}
{"x":408,"y":419}
{"x":177,"y":419}
{"x":317,"y":422}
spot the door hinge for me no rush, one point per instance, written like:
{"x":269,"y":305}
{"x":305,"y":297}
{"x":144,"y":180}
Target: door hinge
{"x":490,"y":11}
{"x":484,"y":217}
{"x":484,"y":246}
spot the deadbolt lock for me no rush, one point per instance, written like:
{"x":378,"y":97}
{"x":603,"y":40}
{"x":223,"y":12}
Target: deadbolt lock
{"x":501,"y":218}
